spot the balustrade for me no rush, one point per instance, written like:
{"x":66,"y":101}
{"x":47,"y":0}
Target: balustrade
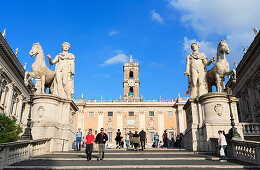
{"x":251,"y":129}
{"x":129,"y":100}
{"x":13,"y":152}
{"x":246,"y":151}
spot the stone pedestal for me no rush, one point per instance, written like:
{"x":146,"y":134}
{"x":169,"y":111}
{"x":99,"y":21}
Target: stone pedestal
{"x":205,"y":116}
{"x":54,"y":117}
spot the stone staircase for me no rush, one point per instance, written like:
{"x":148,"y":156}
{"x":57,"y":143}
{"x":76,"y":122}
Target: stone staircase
{"x":129,"y":159}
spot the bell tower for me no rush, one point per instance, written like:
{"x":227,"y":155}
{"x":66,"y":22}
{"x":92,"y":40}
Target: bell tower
{"x":131,"y":79}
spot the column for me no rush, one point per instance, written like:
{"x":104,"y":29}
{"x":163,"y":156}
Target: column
{"x":100,"y":120}
{"x":20,"y":108}
{"x":119,"y":119}
{"x":160,"y":124}
{"x":9,"y":99}
{"x":142,"y":120}
{"x":180,"y":120}
{"x":80,"y":119}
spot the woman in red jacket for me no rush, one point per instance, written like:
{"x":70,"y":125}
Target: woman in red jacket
{"x":89,"y":144}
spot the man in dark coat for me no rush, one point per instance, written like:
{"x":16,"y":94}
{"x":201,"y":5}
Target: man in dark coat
{"x":142,"y":135}
{"x":101,"y":141}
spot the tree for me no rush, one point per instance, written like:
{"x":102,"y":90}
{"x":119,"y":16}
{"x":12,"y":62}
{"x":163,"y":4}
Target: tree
{"x":9,"y":130}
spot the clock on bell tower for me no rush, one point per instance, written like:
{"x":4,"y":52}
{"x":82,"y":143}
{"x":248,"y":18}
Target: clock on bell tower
{"x":131,"y":79}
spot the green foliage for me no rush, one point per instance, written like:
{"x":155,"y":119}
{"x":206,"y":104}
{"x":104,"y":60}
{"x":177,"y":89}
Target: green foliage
{"x":9,"y":130}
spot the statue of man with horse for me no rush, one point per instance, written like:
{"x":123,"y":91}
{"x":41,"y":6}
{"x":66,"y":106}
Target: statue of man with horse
{"x":60,"y":82}
{"x":200,"y":80}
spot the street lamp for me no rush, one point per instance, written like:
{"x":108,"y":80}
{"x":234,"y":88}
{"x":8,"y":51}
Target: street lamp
{"x":27,"y":135}
{"x":233,"y":130}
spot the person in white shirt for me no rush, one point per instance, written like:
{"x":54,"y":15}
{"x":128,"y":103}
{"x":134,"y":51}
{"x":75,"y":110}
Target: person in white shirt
{"x":222,"y":143}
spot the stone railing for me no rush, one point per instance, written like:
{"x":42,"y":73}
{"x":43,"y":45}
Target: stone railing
{"x":129,"y":100}
{"x":251,"y":129}
{"x":13,"y":152}
{"x":246,"y":151}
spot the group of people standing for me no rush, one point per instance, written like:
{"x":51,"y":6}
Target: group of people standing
{"x":99,"y":140}
{"x":133,"y":140}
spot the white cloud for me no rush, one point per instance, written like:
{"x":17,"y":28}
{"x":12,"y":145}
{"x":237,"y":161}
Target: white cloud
{"x":233,"y":19}
{"x":205,"y":47}
{"x":119,"y":58}
{"x":111,"y":33}
{"x":156,"y":16}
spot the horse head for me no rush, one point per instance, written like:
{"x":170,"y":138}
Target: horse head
{"x":36,"y":49}
{"x":223,"y":47}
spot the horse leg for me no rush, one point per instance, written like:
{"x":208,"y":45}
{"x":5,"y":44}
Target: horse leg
{"x":218,"y":83}
{"x":43,"y":84}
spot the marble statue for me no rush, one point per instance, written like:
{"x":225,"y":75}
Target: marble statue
{"x":4,"y":33}
{"x":24,"y":67}
{"x":255,"y":30}
{"x":216,"y":75}
{"x":196,"y":71}
{"x":16,"y":51}
{"x":64,"y":70}
{"x":40,"y":70}
{"x":244,"y":49}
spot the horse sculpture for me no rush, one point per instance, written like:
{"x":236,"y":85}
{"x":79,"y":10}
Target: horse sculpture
{"x":216,"y":75}
{"x":40,"y":70}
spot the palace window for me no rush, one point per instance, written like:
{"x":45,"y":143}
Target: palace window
{"x":169,"y":114}
{"x":131,"y":75}
{"x":110,"y":114}
{"x":131,"y":114}
{"x":109,"y":135}
{"x":151,"y":114}
{"x":171,"y":134}
{"x":91,"y":114}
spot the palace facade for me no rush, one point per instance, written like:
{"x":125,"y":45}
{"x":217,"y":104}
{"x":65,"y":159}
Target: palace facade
{"x":247,"y":86}
{"x":132,"y":113}
{"x":12,"y":89}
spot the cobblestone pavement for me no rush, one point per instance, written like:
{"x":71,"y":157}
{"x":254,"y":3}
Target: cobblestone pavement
{"x":129,"y":159}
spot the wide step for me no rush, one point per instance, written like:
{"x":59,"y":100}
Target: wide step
{"x":122,"y":159}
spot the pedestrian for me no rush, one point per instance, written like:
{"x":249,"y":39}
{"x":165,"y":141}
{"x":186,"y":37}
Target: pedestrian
{"x":78,"y":139}
{"x":142,"y":135}
{"x":222,"y":143}
{"x":131,"y":138}
{"x":89,"y":144}
{"x":165,"y":139}
{"x":172,"y":141}
{"x":127,"y":141}
{"x":156,"y":140}
{"x":136,"y":140}
{"x":101,"y":141}
{"x":95,"y":144}
{"x":118,"y":139}
{"x":178,"y":141}
{"x":181,"y":138}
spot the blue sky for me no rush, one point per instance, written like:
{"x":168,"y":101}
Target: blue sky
{"x":102,"y":33}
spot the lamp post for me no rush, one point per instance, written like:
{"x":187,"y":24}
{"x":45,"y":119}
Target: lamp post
{"x":27,"y":135}
{"x":233,"y":130}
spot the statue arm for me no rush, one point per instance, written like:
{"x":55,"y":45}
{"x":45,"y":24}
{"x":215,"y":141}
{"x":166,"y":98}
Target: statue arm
{"x":187,"y":73}
{"x":72,"y":65}
{"x":208,"y":63}
{"x":56,"y":59}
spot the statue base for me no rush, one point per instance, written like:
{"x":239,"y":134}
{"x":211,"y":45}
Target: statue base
{"x":207,"y":115}
{"x":54,"y":117}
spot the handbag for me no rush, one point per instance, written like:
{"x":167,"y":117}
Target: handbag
{"x":222,"y":152}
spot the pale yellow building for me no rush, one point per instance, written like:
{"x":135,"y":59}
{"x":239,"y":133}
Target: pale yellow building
{"x":132,"y":113}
